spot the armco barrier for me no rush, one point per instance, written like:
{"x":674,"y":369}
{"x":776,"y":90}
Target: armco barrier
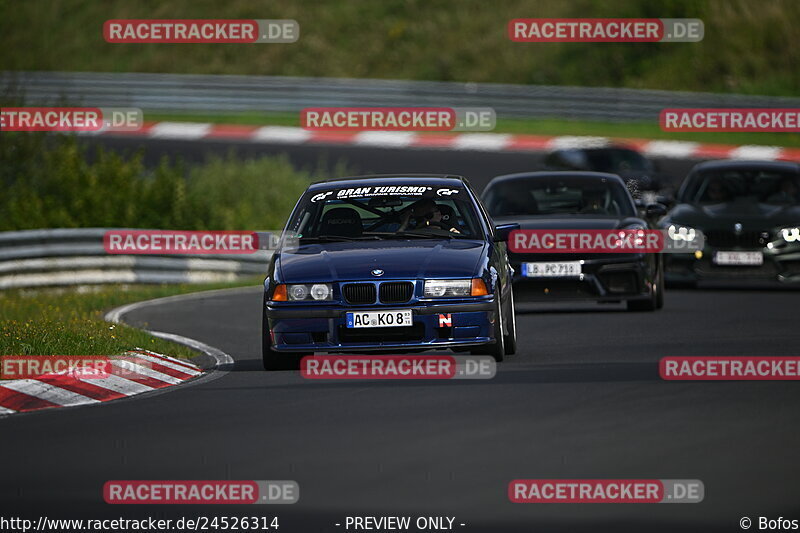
{"x":50,"y":257}
{"x":190,"y":92}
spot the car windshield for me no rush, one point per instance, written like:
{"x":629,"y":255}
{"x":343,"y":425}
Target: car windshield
{"x":384,"y":212}
{"x":559,"y":196}
{"x":736,"y":185}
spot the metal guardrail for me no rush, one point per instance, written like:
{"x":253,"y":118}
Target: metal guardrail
{"x":189,"y":92}
{"x":50,"y":257}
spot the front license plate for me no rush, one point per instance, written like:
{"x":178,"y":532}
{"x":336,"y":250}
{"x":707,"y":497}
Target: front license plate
{"x":379,"y":319}
{"x":739,"y":258}
{"x":566,"y":269}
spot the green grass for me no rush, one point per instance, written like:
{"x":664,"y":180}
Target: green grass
{"x":52,"y":182}
{"x":70,"y":321}
{"x":749,"y":45}
{"x":632,"y":130}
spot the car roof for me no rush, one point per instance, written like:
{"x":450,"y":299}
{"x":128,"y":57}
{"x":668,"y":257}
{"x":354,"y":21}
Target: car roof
{"x":727,"y":164}
{"x":439,"y":180}
{"x":555,"y":174}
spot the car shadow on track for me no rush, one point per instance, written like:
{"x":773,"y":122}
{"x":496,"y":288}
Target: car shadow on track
{"x":557,"y":309}
{"x":710,"y":287}
{"x":508,"y":373}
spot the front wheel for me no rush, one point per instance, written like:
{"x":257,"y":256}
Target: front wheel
{"x":271,"y":359}
{"x":511,"y":324}
{"x":498,"y":349}
{"x":650,"y":304}
{"x":660,"y":288}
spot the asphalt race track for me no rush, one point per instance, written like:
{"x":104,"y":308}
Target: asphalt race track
{"x":581,"y":399}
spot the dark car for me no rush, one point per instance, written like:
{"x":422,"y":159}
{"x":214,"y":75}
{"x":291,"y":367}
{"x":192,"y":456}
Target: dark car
{"x":390,"y":264}
{"x":749,"y":214}
{"x":638,"y":172}
{"x":576,"y":201}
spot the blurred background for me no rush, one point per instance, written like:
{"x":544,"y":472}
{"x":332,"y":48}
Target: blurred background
{"x":554,"y":101}
{"x":749,"y":46}
{"x":222,"y":149}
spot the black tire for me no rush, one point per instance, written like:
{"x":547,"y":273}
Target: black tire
{"x":511,"y":325}
{"x":650,"y":304}
{"x":660,"y":287}
{"x":642,"y":305}
{"x":498,"y":349}
{"x":274,"y":361}
{"x":682,"y":284}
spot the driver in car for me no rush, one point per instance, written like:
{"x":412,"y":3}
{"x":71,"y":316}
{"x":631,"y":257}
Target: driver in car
{"x":594,"y":203}
{"x":786,"y":194}
{"x":425,"y":213}
{"x":717,"y":192}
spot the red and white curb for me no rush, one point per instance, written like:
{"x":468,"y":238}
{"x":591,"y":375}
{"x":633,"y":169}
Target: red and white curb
{"x":155,"y":372}
{"x":491,"y":142}
{"x":143,"y":371}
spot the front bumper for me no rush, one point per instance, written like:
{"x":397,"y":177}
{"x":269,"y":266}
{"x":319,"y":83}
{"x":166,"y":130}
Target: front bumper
{"x":780,"y":267}
{"x":607,"y":278}
{"x":322,"y":328}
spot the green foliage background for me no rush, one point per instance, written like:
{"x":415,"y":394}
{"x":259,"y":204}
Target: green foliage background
{"x":750,"y":46}
{"x":49,"y":181}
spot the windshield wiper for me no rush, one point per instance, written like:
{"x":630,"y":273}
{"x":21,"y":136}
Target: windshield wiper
{"x":338,"y":238}
{"x":417,"y":235}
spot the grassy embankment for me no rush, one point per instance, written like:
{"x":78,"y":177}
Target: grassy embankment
{"x":50,"y":182}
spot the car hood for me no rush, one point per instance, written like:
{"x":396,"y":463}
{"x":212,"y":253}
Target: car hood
{"x":751,"y":215}
{"x":573,"y":222}
{"x":347,"y":261}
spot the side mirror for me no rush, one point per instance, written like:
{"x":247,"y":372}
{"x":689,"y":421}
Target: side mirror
{"x":655,"y":210}
{"x":503,"y":231}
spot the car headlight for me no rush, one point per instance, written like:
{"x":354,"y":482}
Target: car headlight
{"x":681,"y":233}
{"x":321,"y":291}
{"x":790,"y":234}
{"x":316,"y":291}
{"x":637,"y":230}
{"x":454,"y":288}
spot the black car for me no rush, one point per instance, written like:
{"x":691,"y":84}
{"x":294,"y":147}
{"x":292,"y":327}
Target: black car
{"x":637,"y":171}
{"x":577,"y":201}
{"x":749,"y":214}
{"x":389,"y":263}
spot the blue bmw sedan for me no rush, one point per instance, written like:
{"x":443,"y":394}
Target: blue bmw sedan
{"x":388,"y":264}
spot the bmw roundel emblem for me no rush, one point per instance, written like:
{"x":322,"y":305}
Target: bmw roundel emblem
{"x":377,"y":272}
{"x":737,"y":228}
